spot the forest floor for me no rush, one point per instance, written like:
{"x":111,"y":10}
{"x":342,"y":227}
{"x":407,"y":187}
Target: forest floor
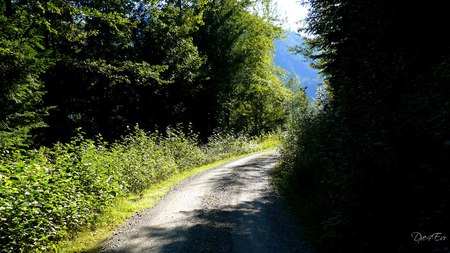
{"x":230,"y":208}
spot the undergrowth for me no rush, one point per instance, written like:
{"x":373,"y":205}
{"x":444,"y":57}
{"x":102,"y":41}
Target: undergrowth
{"x":49,"y":193}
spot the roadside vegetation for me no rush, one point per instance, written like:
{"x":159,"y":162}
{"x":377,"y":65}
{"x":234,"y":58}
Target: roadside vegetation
{"x":367,"y":167}
{"x":103,"y":66}
{"x":49,"y":194}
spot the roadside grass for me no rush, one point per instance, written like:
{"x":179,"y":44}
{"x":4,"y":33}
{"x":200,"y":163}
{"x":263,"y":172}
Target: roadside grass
{"x":114,"y":216}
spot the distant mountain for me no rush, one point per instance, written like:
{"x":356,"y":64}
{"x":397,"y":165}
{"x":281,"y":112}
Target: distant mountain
{"x":297,"y":65}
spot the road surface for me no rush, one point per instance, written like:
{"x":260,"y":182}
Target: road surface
{"x":230,"y":208}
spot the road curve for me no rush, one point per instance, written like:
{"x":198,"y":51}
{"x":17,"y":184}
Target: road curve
{"x":230,"y":208}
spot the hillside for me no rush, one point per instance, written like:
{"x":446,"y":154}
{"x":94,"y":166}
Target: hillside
{"x":296,"y":64}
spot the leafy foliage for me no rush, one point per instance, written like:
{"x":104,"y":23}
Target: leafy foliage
{"x":21,"y":90}
{"x":373,"y":156}
{"x":104,"y":66}
{"x":47,"y":193}
{"x":243,"y":86}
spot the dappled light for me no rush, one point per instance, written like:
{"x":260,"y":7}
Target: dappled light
{"x":230,"y":209}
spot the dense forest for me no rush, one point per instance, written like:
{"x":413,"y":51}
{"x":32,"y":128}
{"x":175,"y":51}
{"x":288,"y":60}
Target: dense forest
{"x":104,"y":66}
{"x":368,"y":167}
{"x":102,"y":99}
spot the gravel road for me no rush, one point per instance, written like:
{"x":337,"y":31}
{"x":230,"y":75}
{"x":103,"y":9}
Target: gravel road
{"x":230,"y":208}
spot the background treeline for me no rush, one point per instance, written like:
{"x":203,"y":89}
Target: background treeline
{"x":107,"y":65}
{"x":370,"y":164}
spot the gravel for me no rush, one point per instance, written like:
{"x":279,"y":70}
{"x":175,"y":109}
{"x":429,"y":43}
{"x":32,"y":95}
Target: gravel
{"x":230,"y":208}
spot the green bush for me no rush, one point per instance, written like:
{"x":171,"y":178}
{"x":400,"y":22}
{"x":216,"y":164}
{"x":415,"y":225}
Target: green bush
{"x":184,"y":149}
{"x":222,"y":145}
{"x":47,"y":193}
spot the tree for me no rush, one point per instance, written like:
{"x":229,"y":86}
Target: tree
{"x":244,"y":91}
{"x":105,"y":66}
{"x":105,"y":81}
{"x":382,"y":135}
{"x":22,"y":59}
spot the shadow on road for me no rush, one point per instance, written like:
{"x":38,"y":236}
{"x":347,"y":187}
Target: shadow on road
{"x":258,"y":224}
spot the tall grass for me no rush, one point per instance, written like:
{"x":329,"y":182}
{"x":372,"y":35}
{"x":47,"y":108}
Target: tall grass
{"x":47,"y":193}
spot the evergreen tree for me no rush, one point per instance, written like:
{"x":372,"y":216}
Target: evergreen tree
{"x":376,"y":158}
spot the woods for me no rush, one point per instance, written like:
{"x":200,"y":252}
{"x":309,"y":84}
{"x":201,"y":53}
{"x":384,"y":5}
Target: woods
{"x":369,"y":166}
{"x":106,"y":65}
{"x":76,"y":77}
{"x":365,"y":167}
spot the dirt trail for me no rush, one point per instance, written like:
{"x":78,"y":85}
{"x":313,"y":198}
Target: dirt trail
{"x":230,"y":208}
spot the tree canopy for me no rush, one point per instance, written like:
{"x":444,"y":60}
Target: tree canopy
{"x":107,"y":65}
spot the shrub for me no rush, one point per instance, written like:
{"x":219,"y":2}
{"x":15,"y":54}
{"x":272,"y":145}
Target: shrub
{"x":47,"y":193}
